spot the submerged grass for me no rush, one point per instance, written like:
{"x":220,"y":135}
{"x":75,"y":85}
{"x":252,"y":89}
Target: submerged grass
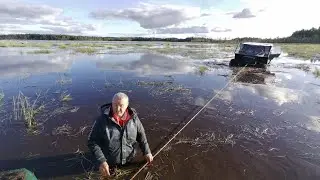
{"x":24,"y":109}
{"x":12,"y":43}
{"x":316,"y":73}
{"x":64,"y":97}
{"x":202,"y":69}
{"x":64,"y":80}
{"x":305,"y":51}
{"x":1,"y":97}
{"x":86,"y":50}
{"x":63,"y":46}
{"x":40,"y":51}
{"x":164,"y":87}
{"x":65,"y":129}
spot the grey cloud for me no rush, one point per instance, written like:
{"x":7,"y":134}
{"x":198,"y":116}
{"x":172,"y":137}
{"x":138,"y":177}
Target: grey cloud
{"x":77,"y":29}
{"x":148,"y":16}
{"x":184,"y":30}
{"x":217,"y":29}
{"x":50,"y":18}
{"x":20,"y":10}
{"x":205,"y":14}
{"x":245,"y":13}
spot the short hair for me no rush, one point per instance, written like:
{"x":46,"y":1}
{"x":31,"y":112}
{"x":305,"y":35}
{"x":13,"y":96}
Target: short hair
{"x":120,"y":95}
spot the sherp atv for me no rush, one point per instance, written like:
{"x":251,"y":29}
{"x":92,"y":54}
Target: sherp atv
{"x":254,"y":54}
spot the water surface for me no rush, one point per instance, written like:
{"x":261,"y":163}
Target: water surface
{"x":264,"y":125}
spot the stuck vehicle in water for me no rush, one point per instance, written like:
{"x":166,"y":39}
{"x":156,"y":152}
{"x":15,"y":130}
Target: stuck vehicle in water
{"x":254,"y":54}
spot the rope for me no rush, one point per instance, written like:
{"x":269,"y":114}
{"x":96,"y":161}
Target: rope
{"x":188,"y":122}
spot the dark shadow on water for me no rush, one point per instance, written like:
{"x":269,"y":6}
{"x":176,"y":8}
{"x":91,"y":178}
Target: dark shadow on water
{"x":55,"y":166}
{"x":63,"y":165}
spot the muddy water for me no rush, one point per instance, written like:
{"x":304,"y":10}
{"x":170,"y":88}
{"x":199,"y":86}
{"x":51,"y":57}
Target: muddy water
{"x":264,"y":125}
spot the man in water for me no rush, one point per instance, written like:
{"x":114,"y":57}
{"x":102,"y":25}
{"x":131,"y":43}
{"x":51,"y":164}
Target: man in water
{"x":114,"y":134}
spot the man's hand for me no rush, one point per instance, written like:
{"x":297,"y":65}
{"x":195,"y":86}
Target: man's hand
{"x":149,"y":158}
{"x":104,"y":169}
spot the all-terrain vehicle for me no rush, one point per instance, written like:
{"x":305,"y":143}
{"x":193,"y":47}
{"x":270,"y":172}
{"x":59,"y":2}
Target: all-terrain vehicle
{"x":254,"y":54}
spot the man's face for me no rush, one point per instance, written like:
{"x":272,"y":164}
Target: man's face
{"x":119,"y":106}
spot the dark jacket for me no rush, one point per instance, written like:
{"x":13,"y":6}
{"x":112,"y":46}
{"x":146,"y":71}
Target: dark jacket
{"x":110,"y":142}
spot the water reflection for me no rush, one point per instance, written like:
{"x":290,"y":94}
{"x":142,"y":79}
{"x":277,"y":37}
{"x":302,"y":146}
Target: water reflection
{"x":15,"y":66}
{"x":145,"y":64}
{"x":314,"y":123}
{"x":278,"y":95}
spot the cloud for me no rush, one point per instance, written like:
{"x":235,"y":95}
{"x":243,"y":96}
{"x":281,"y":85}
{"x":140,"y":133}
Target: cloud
{"x":8,"y":26}
{"x":245,"y":13}
{"x":151,"y":16}
{"x":205,"y":14}
{"x":20,"y":10}
{"x":50,"y":18}
{"x":218,"y":29}
{"x":183,"y":30}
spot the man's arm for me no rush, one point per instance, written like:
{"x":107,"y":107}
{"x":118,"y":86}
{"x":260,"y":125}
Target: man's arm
{"x":93,"y":142}
{"x":142,"y":139}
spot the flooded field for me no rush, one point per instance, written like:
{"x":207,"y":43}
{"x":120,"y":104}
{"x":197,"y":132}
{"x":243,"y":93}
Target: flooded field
{"x":264,"y":125}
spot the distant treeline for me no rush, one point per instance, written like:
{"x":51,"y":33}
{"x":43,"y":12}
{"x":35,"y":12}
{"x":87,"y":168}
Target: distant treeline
{"x":302,"y":36}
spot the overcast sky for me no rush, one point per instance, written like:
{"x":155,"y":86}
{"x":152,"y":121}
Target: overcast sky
{"x":161,"y":18}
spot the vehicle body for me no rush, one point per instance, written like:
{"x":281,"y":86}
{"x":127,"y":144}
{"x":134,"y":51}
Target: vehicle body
{"x":254,"y":54}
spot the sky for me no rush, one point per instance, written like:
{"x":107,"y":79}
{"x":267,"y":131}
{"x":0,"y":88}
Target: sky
{"x":160,"y":18}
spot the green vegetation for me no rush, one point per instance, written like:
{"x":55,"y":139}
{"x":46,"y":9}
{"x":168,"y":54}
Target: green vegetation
{"x":24,"y":109}
{"x":202,"y":69}
{"x":306,"y":51}
{"x":86,"y":50}
{"x":9,"y":43}
{"x":63,"y":46}
{"x":316,"y":73}
{"x":65,"y":97}
{"x":12,"y":44}
{"x":41,"y":51}
{"x":167,"y":46}
{"x":64,"y":80}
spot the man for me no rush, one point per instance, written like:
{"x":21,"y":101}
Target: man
{"x":114,"y":134}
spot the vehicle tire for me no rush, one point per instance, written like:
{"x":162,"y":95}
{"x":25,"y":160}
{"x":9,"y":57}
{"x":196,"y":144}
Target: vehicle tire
{"x":233,"y":63}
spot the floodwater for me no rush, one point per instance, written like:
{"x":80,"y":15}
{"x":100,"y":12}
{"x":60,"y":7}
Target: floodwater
{"x":263,"y":125}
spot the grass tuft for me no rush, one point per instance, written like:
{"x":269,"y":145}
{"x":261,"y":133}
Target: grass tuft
{"x":202,"y":69}
{"x":63,"y":46}
{"x":86,"y":50}
{"x":41,"y":51}
{"x":65,"y":97}
{"x":316,"y":73}
{"x":12,"y":44}
{"x":24,"y":109}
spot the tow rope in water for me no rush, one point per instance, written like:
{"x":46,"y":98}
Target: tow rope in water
{"x":216,"y":95}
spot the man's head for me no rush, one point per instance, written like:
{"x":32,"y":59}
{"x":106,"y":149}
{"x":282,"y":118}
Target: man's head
{"x":120,"y":103}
